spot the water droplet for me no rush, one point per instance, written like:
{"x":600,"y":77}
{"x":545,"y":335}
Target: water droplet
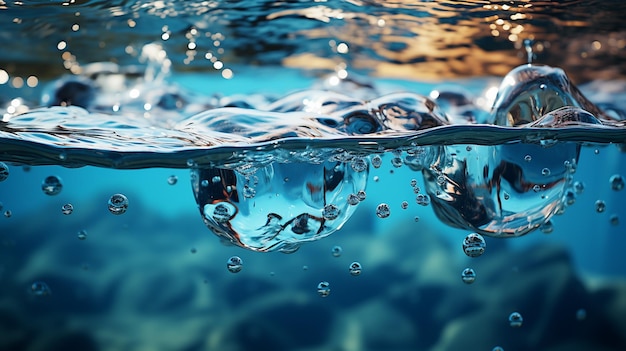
{"x":581,"y":314}
{"x":82,"y":235}
{"x":474,"y":245}
{"x":377,"y":161}
{"x":353,"y":199}
{"x":331,"y":212}
{"x":336,"y":251}
{"x":355,"y":268}
{"x":4,"y":171}
{"x":234,"y":264}
{"x":118,"y":204}
{"x":617,"y":182}
{"x":358,"y":164}
{"x":515,"y":320}
{"x":614,"y":219}
{"x":361,"y":195}
{"x":8,"y":213}
{"x":528,"y":158}
{"x":323,"y":289}
{"x":600,"y":206}
{"x":545,"y":172}
{"x":468,"y":276}
{"x":67,"y":209}
{"x":404,"y":205}
{"x":52,"y":185}
{"x":547,"y":227}
{"x":40,"y":288}
{"x":172,"y":180}
{"x":382,"y":210}
{"x":422,"y":199}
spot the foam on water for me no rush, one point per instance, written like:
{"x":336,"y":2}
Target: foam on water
{"x":269,"y":174}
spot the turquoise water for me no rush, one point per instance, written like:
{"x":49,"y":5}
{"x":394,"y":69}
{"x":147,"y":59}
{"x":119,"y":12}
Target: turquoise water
{"x":310,"y":153}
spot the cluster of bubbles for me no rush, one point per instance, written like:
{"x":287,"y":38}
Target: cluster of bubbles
{"x":118,"y":204}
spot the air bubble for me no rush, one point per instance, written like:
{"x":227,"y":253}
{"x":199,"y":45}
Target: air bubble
{"x":67,"y":209}
{"x":506,"y":195}
{"x":441,"y":180}
{"x":468,"y":276}
{"x":4,"y":171}
{"x":118,"y":204}
{"x":376,"y":178}
{"x":40,"y":288}
{"x":216,"y":179}
{"x":361,"y":195}
{"x":355,"y":268}
{"x":358,"y":164}
{"x":222,"y":213}
{"x":396,"y":162}
{"x":536,"y":188}
{"x":413,"y":183}
{"x":579,"y":187}
{"x":547,"y":227}
{"x":234,"y":264}
{"x":545,"y":172}
{"x":382,"y":210}
{"x":600,"y":206}
{"x":617,"y":182}
{"x":172,"y":180}
{"x":353,"y":199}
{"x":474,"y":245}
{"x":331,"y":212}
{"x":515,"y":320}
{"x":614,"y":220}
{"x":82,"y":235}
{"x":377,"y":161}
{"x":204,"y":183}
{"x":422,"y":199}
{"x":336,"y":251}
{"x":569,"y":198}
{"x":52,"y":185}
{"x":404,"y":205}
{"x":8,"y":213}
{"x":416,"y":219}
{"x":528,"y":158}
{"x":323,"y":289}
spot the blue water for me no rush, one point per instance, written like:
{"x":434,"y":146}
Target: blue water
{"x":264,"y":165}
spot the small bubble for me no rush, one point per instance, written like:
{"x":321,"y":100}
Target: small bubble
{"x":600,"y":206}
{"x":579,"y":187}
{"x":528,"y":158}
{"x":216,"y":179}
{"x":8,"y":213}
{"x":596,"y":151}
{"x":474,"y":245}
{"x":468,"y":148}
{"x":358,"y":164}
{"x":536,"y":188}
{"x":361,"y":195}
{"x":547,"y":227}
{"x":191,"y":163}
{"x":468,"y":276}
{"x":617,"y":182}
{"x":382,"y":210}
{"x":377,"y":161}
{"x":376,"y":178}
{"x":404,"y":205}
{"x":355,"y":268}
{"x":40,"y":288}
{"x":515,"y":320}
{"x":353,"y":200}
{"x":82,"y":235}
{"x":63,"y":156}
{"x":396,"y":162}
{"x":234,"y":264}
{"x":330,"y":212}
{"x":172,"y":180}
{"x":422,"y":199}
{"x":67,"y":209}
{"x":305,"y":268}
{"x":569,"y":198}
{"x":52,"y":185}
{"x":581,"y":314}
{"x":4,"y":171}
{"x":413,"y":183}
{"x":204,"y":183}
{"x":323,"y":289}
{"x":545,"y":171}
{"x":614,"y":219}
{"x":118,"y":204}
{"x":416,"y":219}
{"x":441,"y":180}
{"x":336,"y":251}
{"x":506,"y":195}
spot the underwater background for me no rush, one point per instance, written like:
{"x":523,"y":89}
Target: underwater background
{"x":308,"y":175}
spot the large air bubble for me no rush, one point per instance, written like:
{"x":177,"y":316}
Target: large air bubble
{"x":290,"y":204}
